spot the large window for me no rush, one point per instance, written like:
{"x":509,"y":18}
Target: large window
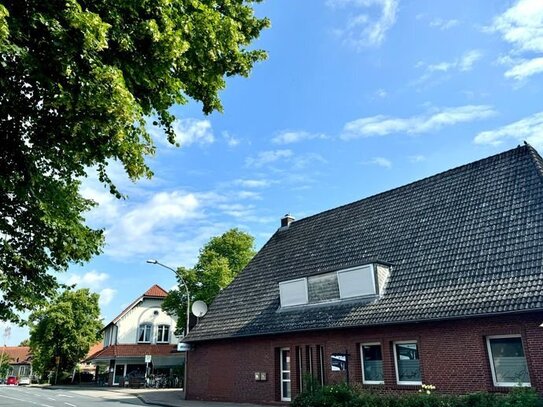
{"x":293,"y":292}
{"x":372,"y":363}
{"x":507,"y":360}
{"x":361,"y":281}
{"x":144,"y":333}
{"x":406,"y":356}
{"x":163,"y":334}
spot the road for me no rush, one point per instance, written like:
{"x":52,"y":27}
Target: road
{"x":22,"y":396}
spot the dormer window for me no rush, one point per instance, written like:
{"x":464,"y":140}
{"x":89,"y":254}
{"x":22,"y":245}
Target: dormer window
{"x":144,"y":333}
{"x":362,"y":281}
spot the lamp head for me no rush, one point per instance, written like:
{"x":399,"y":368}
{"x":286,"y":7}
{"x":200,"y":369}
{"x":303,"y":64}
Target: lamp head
{"x":152,"y":261}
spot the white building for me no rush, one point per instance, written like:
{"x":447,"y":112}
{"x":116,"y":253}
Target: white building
{"x":140,"y":339}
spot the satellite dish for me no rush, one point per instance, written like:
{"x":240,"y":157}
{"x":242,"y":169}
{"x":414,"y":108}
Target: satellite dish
{"x":199,"y":308}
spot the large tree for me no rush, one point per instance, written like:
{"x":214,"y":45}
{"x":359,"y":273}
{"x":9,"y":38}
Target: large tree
{"x":220,"y":260}
{"x":79,"y":80}
{"x":62,"y":332}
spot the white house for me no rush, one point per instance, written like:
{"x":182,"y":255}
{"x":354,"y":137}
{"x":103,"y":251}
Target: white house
{"x":140,"y":339}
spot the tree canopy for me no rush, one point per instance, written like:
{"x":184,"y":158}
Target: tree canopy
{"x":66,"y":328}
{"x":220,"y":260}
{"x":79,"y":82}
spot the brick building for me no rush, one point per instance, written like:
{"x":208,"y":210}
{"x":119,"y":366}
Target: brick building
{"x":436,"y":282}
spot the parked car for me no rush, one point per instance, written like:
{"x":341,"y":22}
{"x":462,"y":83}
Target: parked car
{"x":12,"y":380}
{"x":24,"y":380}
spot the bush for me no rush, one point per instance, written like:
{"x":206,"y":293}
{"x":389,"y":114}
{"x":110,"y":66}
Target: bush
{"x":342,"y":395}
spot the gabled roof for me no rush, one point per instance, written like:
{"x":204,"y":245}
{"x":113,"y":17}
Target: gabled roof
{"x":17,"y":354}
{"x":466,"y":242}
{"x":155,"y":292}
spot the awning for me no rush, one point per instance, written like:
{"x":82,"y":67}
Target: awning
{"x":174,"y":360}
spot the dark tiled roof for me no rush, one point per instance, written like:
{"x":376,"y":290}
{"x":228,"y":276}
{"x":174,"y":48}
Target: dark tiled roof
{"x":462,"y":243}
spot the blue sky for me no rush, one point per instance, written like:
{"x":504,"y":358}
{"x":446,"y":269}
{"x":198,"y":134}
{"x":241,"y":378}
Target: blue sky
{"x":356,"y":97}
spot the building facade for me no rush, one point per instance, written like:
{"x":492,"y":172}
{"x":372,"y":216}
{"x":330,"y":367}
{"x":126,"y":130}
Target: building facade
{"x":139,"y":342}
{"x":437,"y":282}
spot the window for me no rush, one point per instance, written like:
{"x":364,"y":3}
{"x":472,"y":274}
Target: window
{"x":356,"y":282}
{"x":293,"y":292}
{"x":363,"y":281}
{"x":285,"y":374}
{"x":163,"y":334}
{"x":144,"y":333}
{"x":406,"y":357}
{"x":372,"y":363}
{"x":507,"y":360}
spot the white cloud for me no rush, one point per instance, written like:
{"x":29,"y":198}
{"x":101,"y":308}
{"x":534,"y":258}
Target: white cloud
{"x":368,"y":27}
{"x":289,"y":137}
{"x":92,"y":279}
{"x":464,"y":63}
{"x":187,"y":131}
{"x":467,"y":60}
{"x":253,"y":183}
{"x":383,"y":125}
{"x":525,"y":68}
{"x":230,"y":140}
{"x":249,"y":195}
{"x":529,"y":128}
{"x":162,"y":210}
{"x":106,"y":295}
{"x":381,"y":162}
{"x":267,"y":157}
{"x":381,"y":93}
{"x":522,"y":26}
{"x":443,"y":24}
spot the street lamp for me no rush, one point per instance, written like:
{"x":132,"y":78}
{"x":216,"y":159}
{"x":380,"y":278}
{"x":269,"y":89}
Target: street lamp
{"x":153,"y":261}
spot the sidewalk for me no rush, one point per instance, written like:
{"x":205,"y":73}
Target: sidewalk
{"x":156,"y":397}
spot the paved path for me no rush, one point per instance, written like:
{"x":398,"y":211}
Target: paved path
{"x":157,"y":397}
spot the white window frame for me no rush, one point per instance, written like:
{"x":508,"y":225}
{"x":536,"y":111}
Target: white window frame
{"x":491,"y":361}
{"x":284,"y":284}
{"x":398,"y":381}
{"x":283,"y":370}
{"x":364,"y":381}
{"x":160,"y":336}
{"x":343,"y":288}
{"x":145,"y":324}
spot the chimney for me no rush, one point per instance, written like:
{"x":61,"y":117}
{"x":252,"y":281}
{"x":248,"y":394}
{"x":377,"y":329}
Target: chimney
{"x":286,"y":221}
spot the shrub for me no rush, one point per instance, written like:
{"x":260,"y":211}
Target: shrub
{"x":342,"y":395}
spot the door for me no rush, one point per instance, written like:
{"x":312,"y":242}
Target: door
{"x":285,"y":374}
{"x":119,"y":374}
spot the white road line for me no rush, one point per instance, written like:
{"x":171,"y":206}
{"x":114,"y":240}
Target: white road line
{"x":46,"y":405}
{"x":51,"y":398}
{"x":23,"y":400}
{"x":64,"y":395}
{"x":68,"y":404}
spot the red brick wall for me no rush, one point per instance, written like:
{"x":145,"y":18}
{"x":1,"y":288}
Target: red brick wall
{"x":453,"y":357}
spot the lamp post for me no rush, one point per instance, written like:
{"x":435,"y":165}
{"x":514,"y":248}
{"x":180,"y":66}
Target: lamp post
{"x":153,"y":261}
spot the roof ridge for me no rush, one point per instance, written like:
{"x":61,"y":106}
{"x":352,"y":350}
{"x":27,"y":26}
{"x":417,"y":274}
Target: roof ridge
{"x":442,"y":174}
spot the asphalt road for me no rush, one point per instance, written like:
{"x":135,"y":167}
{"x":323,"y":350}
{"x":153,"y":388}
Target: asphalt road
{"x":22,"y":396}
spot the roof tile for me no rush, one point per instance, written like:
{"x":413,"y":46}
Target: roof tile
{"x":465,"y":242}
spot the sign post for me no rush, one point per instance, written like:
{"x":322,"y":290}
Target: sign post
{"x":147,"y":361}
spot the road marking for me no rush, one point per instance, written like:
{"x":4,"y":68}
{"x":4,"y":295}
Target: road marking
{"x":64,"y":395}
{"x":23,"y":400}
{"x":72,"y":405}
{"x":46,"y":405}
{"x":50,"y":398}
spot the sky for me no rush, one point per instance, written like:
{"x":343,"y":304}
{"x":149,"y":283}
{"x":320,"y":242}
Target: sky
{"x":356,"y":97}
